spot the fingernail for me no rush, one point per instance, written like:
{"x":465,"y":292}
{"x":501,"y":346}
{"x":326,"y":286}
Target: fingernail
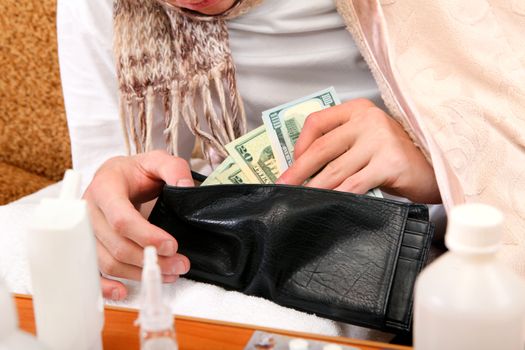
{"x":167,"y":248}
{"x":169,"y":278}
{"x":115,"y":294}
{"x":179,"y":268}
{"x":185,"y":183}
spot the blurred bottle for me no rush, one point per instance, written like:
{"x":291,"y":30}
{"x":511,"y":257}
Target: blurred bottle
{"x":467,"y":299}
{"x":68,"y":304}
{"x":10,"y":336}
{"x":155,"y":318}
{"x":265,"y":342}
{"x":298,"y":344}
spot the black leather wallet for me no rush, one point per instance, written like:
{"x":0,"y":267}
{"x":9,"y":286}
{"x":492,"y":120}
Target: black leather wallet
{"x":346,"y":257}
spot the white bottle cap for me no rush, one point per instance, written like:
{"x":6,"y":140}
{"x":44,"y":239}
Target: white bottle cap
{"x":298,"y":344}
{"x":70,"y":185}
{"x":474,"y":228}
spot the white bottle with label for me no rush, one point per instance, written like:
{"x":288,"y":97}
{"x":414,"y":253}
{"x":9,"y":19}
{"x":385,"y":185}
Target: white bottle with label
{"x":68,"y":304}
{"x":467,"y":299}
{"x":10,"y":336}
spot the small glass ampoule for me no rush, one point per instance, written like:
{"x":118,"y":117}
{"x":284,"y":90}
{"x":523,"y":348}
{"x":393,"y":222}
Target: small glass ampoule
{"x":157,"y":331}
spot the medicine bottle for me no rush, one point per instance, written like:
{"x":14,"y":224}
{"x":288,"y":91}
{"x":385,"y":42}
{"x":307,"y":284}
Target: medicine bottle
{"x":467,"y":299}
{"x":155,"y":318}
{"x":10,"y":336}
{"x":67,"y":299}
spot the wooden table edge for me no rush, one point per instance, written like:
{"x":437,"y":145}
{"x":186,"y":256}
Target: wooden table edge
{"x":295,"y":334}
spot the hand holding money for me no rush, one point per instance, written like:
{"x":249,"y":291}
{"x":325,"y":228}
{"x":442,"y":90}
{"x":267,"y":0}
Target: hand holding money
{"x":263,"y":154}
{"x":356,"y":146}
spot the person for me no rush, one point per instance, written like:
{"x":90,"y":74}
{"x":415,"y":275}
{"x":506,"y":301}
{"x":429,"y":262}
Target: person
{"x":444,"y":110}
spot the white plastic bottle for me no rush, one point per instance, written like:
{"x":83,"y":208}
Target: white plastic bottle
{"x":467,"y":299}
{"x":155,"y":318}
{"x":10,"y":336}
{"x":68,"y":304}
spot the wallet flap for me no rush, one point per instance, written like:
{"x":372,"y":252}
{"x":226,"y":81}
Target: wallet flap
{"x":217,"y":253}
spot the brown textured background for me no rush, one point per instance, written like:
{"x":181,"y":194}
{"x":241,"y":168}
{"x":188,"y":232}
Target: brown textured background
{"x":34,"y":142}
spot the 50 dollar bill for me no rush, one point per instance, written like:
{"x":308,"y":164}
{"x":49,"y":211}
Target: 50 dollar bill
{"x":253,"y":154}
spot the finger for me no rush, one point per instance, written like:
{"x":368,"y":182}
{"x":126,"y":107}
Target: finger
{"x":178,"y":265}
{"x":112,"y":267}
{"x":112,"y":198}
{"x":128,"y":252}
{"x":115,"y":290}
{"x":321,"y":151}
{"x":121,"y":248}
{"x":341,"y":168}
{"x":169,"y":278}
{"x":364,"y":180}
{"x":126,"y":221}
{"x":112,"y":289}
{"x":319,"y":123}
{"x":139,"y":178}
{"x":161,"y":165}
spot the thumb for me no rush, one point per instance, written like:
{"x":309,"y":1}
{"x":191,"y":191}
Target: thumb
{"x":174,"y":171}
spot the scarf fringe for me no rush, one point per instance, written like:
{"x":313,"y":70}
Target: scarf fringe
{"x":133,"y":125}
{"x":192,"y":120}
{"x":141,"y":104}
{"x":172,"y":119}
{"x":222,"y":100}
{"x":237,"y":106}
{"x":186,"y":103}
{"x":215,"y":125}
{"x":124,"y":121}
{"x":149,"y":104}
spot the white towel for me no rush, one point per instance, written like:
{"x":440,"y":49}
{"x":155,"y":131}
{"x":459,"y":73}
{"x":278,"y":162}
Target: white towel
{"x":185,"y":297}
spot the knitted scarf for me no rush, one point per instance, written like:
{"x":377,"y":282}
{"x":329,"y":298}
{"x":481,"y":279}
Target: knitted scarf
{"x":182,"y":60}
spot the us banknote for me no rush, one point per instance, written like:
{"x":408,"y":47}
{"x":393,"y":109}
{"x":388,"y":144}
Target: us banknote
{"x":263,"y":154}
{"x":253,"y":154}
{"x":213,"y":179}
{"x":233,"y":175}
{"x":284,"y":123}
{"x":228,"y":172}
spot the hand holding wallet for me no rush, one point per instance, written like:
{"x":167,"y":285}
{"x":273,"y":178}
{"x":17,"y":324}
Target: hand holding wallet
{"x":346,"y":257}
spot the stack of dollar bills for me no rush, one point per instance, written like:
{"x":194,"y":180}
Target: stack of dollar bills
{"x":263,"y":154}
